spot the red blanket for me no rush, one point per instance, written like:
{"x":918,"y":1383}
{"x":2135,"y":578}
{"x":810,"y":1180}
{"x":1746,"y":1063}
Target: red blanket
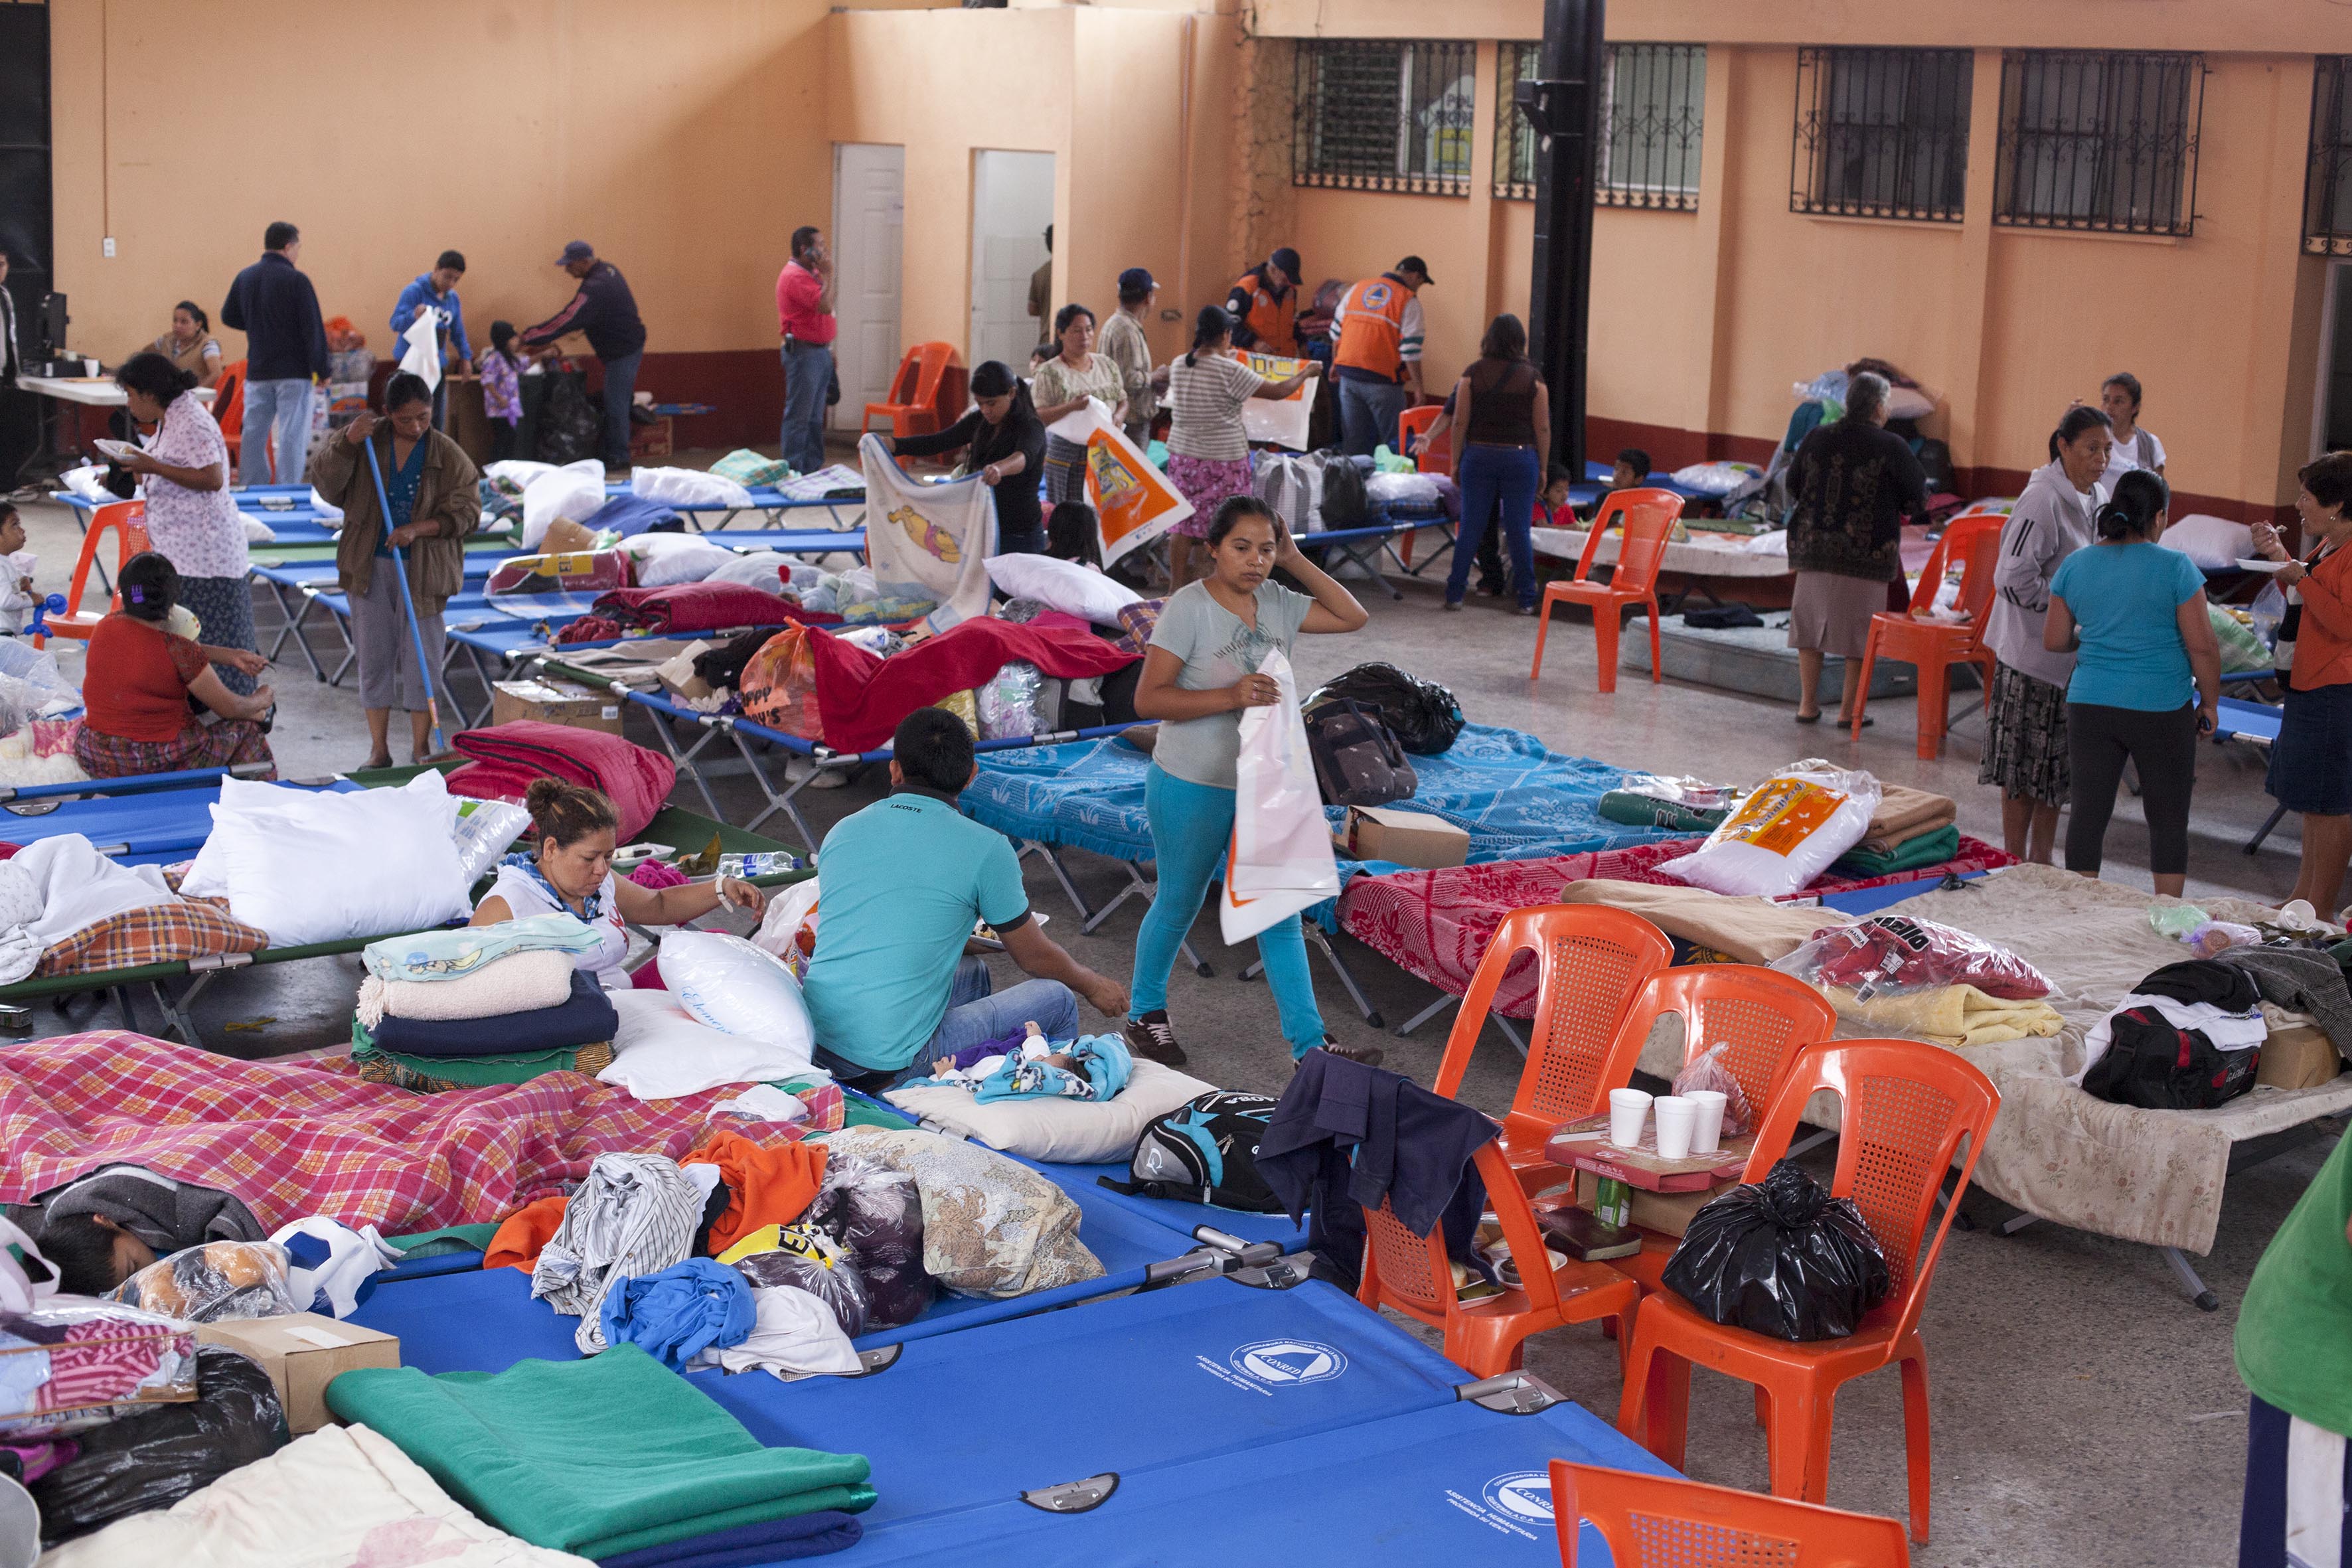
{"x":508,"y":756}
{"x":293,"y":1139}
{"x":686,"y":609}
{"x":861,"y":698}
{"x":1436,"y":924}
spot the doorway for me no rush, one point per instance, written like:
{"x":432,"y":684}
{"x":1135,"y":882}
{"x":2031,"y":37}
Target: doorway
{"x":1011,"y":204}
{"x":869,"y":201}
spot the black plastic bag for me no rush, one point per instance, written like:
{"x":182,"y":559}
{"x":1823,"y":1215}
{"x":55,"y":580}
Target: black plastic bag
{"x":154,"y":1457}
{"x":876,"y":1214}
{"x":1782,"y":1258}
{"x":1422,"y":714}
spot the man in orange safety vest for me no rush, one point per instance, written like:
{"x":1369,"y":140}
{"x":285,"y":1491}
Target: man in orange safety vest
{"x":1376,"y":359}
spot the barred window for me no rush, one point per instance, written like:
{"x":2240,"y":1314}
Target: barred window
{"x":2099,"y":140}
{"x":1380,"y":116}
{"x":1653,"y":115}
{"x":1882,"y":133}
{"x":2327,"y":182}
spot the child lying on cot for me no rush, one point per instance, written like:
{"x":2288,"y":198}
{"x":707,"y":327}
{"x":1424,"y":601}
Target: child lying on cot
{"x":1093,"y":1067}
{"x":103,"y":1229}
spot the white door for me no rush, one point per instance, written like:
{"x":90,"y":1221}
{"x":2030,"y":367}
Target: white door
{"x":869,"y":191}
{"x":1011,"y":204}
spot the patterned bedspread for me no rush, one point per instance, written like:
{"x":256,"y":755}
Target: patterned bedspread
{"x":1435,"y":924}
{"x":310,"y":1138}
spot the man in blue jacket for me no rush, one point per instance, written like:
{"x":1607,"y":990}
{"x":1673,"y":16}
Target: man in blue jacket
{"x":605,"y":310}
{"x":436,"y":290}
{"x":285,"y":354}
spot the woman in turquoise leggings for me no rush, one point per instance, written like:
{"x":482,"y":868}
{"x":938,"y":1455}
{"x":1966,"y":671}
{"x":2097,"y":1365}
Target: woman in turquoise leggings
{"x":1199,"y":673}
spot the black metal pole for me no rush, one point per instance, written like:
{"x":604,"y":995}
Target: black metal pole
{"x":1564,"y":105}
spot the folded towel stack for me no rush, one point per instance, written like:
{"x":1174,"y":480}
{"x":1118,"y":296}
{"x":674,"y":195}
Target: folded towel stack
{"x":506,"y":1021}
{"x":1911,"y":828}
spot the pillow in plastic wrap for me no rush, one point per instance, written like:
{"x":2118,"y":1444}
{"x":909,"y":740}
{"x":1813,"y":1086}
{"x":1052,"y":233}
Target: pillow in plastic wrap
{"x":1007,"y":702}
{"x":991,"y":1226}
{"x":214,"y":1282}
{"x":811,"y":1260}
{"x":876,"y":1214}
{"x":1409,"y":489}
{"x":153,"y":1458}
{"x":1716,"y":479}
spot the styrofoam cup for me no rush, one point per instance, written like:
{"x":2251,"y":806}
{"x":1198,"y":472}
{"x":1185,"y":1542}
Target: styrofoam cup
{"x":1628,"y":1108}
{"x":1678,"y":1119}
{"x":1708,"y":1137}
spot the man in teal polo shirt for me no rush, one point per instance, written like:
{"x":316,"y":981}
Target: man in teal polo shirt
{"x":893,"y":984}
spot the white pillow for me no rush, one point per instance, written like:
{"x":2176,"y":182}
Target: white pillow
{"x":729,"y":984}
{"x":1064,"y":585}
{"x":1074,"y":1132}
{"x":663,"y":558}
{"x":761,"y":569}
{"x":574,"y":492}
{"x":688,"y":487}
{"x":311,"y":867}
{"x":2214,"y":542}
{"x":255,"y":530}
{"x":661,"y":1050}
{"x":1908,"y":403}
{"x":522,"y":470}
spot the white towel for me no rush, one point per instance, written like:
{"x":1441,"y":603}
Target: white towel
{"x":519,"y":983}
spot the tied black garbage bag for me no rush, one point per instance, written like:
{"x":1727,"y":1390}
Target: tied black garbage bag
{"x":1422,"y":714}
{"x":1781,"y":1257}
{"x":155,"y":1455}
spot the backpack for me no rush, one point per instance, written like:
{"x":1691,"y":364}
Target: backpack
{"x":1346,"y":503}
{"x":2153,"y":1063}
{"x":1357,"y":761}
{"x":1204,"y":1152}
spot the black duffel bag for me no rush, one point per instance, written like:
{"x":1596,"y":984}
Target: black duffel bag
{"x":1422,"y":714}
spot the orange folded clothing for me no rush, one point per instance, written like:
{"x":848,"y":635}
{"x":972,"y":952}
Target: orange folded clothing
{"x":764,"y":1186}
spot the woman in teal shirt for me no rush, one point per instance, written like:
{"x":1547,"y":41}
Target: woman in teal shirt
{"x":2133,"y":613}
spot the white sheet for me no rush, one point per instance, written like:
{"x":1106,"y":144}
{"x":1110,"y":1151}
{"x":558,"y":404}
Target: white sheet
{"x":1722,"y":555}
{"x":72,"y":886}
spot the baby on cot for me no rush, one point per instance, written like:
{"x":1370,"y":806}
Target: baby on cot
{"x":1029,"y":1066}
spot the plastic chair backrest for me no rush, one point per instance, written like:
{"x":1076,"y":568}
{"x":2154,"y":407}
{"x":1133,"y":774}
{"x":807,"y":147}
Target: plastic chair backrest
{"x":1932,"y":575}
{"x":1413,"y":1273}
{"x":1766,"y":1017}
{"x":931,"y":363}
{"x":1590,"y":961}
{"x":902,"y":381}
{"x":1905,"y":1107}
{"x":1977,"y":548}
{"x":1665,"y":1522}
{"x":1414,"y":422}
{"x":127,"y":520}
{"x":1647,"y":533}
{"x":1629,"y":507}
{"x":228,"y":401}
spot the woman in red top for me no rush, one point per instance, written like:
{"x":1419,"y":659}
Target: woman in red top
{"x":138,"y":681}
{"x":2311,"y":761}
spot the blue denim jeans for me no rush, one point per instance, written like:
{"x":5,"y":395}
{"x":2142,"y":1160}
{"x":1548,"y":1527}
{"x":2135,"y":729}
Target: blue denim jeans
{"x":1368,"y":416}
{"x":1190,"y":825}
{"x":277,"y":417}
{"x":808,"y":371}
{"x":619,"y":387}
{"x":977,"y":1011}
{"x":1489,"y":473}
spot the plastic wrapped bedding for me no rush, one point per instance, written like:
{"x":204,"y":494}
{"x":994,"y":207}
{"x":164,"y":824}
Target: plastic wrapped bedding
{"x":810,"y":1259}
{"x":876,"y":1214}
{"x":991,"y":1226}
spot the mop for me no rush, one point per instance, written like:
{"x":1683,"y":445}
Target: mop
{"x":408,"y":600}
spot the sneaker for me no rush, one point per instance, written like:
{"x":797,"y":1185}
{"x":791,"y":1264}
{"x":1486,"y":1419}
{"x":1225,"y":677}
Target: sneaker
{"x":1488,"y":590}
{"x":1370,"y":1056}
{"x":1152,"y":1038}
{"x":1453,"y":603}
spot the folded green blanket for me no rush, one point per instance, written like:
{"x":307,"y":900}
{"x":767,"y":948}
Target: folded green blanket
{"x":1927,"y":849}
{"x":381,"y":1065}
{"x":1623,"y":806}
{"x":448,"y":1239}
{"x":601,"y":1457}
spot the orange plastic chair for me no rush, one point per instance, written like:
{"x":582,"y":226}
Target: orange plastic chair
{"x":1413,"y":424}
{"x":1413,"y":1274}
{"x":1972,"y":541}
{"x":913,"y":404}
{"x":1648,"y":516}
{"x":228,"y":410}
{"x":1665,"y":1521}
{"x":127,"y":520}
{"x":1906,"y":1107}
{"x":1765,"y":1016}
{"x":1590,"y":959}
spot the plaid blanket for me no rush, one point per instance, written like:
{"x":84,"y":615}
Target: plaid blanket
{"x":160,"y":933}
{"x":293,"y":1139}
{"x":1435,"y":925}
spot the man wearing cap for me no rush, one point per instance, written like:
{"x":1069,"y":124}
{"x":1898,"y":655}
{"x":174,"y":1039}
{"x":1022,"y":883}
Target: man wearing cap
{"x":804,"y":320}
{"x":1264,"y":305}
{"x":606,"y":311}
{"x":1376,"y":334}
{"x":1124,"y":344}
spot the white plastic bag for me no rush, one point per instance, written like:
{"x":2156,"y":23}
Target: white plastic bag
{"x":787,"y":930}
{"x":574,"y":492}
{"x":1279,"y":861}
{"x":729,"y":984}
{"x":688,"y":487}
{"x":485,"y":830}
{"x":1784,"y":834}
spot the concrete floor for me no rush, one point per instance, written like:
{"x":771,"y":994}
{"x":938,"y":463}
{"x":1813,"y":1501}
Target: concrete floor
{"x":2050,"y":1448}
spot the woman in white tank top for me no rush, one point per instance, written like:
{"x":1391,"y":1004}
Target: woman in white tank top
{"x":572,"y":870}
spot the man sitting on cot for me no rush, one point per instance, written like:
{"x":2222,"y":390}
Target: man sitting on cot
{"x":897,"y":980}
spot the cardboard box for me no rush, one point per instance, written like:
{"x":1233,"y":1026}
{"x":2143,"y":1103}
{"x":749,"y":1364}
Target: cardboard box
{"x":302,"y":1354}
{"x":555,"y":702}
{"x":2299,"y":1057}
{"x":1668,"y":1214}
{"x":1407,"y":837}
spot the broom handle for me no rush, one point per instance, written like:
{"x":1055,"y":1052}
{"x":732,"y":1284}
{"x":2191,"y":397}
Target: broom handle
{"x":407,"y":601}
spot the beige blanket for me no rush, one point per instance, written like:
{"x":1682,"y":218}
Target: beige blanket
{"x":1753,"y":931}
{"x":1904,"y":814}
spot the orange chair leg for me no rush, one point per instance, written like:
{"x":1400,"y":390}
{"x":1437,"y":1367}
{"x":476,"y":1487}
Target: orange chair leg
{"x":1763,"y":1407}
{"x":1604,"y":632}
{"x":1543,"y":624}
{"x":1655,"y":1410}
{"x":1861,"y":693}
{"x":1915,"y":1440}
{"x":1935,"y":704}
{"x":1657,"y":659}
{"x":1799,"y":1416}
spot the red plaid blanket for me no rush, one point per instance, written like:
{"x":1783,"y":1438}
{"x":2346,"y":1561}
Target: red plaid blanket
{"x":311,"y":1138}
{"x":1435,"y":924}
{"x":159,"y":934}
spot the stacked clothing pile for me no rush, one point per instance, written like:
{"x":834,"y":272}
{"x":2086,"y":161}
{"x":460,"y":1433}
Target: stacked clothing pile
{"x":2188,"y":1037}
{"x":485,"y":1004}
{"x":613,"y":1458}
{"x":1911,"y":828}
